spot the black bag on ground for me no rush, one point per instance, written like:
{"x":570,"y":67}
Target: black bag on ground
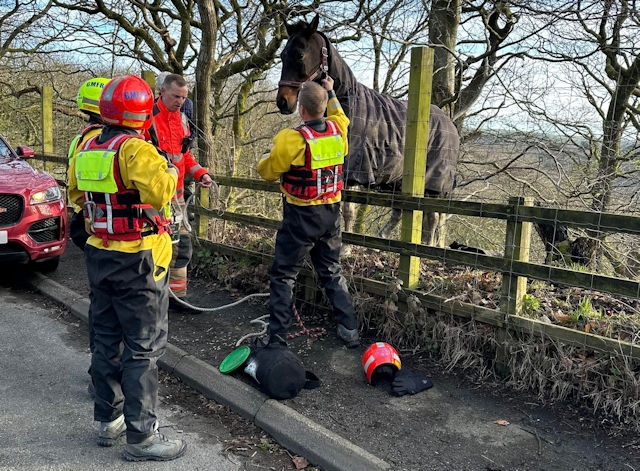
{"x":280,"y":372}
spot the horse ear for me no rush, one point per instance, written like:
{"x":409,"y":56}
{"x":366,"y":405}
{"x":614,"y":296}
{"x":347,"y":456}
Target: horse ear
{"x":313,"y":26}
{"x":287,"y":26}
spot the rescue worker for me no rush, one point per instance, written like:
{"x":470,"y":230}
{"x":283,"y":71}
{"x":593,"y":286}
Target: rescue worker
{"x":308,"y":161}
{"x":170,"y":133}
{"x":186,"y":108}
{"x":125,"y":187}
{"x":88,"y":102}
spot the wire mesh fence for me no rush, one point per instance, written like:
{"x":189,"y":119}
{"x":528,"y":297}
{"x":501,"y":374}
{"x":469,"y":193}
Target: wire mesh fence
{"x":567,"y":287}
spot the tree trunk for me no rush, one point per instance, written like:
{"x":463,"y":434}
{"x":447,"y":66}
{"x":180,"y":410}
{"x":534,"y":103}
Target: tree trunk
{"x":443,"y":31}
{"x":204,"y":69}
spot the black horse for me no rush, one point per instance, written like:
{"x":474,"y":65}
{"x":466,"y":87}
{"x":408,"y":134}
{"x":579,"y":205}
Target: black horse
{"x":376,"y":132}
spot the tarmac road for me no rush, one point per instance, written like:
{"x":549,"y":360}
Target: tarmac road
{"x":46,"y":414}
{"x":347,"y":426}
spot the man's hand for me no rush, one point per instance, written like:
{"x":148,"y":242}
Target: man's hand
{"x":205,"y":181}
{"x":327,"y":83}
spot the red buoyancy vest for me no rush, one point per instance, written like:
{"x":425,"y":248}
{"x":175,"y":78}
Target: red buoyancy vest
{"x":321,"y":175}
{"x":120,"y":215}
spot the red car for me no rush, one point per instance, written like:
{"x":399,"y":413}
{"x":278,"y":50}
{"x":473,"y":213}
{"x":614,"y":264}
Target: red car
{"x":33,"y":213}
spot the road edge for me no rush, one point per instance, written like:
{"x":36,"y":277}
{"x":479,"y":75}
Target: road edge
{"x":289,"y":428}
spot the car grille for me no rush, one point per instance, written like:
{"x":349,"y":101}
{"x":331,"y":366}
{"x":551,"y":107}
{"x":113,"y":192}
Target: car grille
{"x":45,"y":230}
{"x":11,"y":208}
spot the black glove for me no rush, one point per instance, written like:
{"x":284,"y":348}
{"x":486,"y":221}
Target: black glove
{"x":187,"y":142}
{"x":409,"y":382}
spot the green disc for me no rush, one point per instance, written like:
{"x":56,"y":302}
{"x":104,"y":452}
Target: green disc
{"x":235,"y":359}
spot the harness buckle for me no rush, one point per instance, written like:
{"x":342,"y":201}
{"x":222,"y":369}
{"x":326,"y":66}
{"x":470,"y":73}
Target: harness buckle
{"x":89,"y":212}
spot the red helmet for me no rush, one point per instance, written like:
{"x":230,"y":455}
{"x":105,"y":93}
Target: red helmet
{"x":127,"y":101}
{"x":378,"y":354}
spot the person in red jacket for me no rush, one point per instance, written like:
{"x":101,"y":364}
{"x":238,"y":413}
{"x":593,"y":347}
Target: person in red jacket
{"x":170,"y":133}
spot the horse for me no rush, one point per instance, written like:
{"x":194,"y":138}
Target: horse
{"x":377,"y":128}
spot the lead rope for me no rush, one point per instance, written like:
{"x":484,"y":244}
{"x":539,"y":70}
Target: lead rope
{"x":200,"y":310}
{"x":312,"y":333}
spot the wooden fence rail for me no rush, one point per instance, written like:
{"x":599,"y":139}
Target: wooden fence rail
{"x":514,"y":265}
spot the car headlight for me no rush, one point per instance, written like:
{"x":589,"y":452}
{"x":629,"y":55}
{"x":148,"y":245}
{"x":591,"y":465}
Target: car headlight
{"x":47,"y":196}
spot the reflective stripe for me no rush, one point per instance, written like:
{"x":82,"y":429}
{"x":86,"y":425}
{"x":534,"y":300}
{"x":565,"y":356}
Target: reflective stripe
{"x":128,"y":115}
{"x":107,"y":92}
{"x":370,"y":360}
{"x":91,"y":101}
{"x":178,"y":284}
{"x":109,"y":206}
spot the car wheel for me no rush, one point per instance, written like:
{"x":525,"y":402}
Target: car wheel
{"x":48,"y":265}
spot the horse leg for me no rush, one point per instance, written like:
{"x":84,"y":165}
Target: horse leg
{"x":441,"y":231}
{"x":430,"y":222}
{"x":348,"y":211}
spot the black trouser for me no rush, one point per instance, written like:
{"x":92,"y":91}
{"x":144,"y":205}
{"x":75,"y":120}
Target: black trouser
{"x":128,"y":307}
{"x":313,"y":230}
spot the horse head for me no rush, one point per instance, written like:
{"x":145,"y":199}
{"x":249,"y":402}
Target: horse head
{"x":305,"y":57}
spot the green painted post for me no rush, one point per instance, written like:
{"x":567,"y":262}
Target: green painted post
{"x":517,"y":246}
{"x":47,"y":124}
{"x":415,"y":156}
{"x":202,"y":222}
{"x":149,"y":77}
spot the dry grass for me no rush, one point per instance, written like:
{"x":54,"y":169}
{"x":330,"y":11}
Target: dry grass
{"x":608,"y":385}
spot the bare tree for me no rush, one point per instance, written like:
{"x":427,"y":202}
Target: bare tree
{"x":594,"y":46}
{"x":19,"y":27}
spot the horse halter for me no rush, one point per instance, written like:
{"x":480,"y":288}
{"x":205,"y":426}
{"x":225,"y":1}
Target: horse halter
{"x":323,"y":68}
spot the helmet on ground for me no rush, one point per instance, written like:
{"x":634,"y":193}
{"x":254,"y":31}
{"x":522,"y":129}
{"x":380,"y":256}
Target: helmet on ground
{"x":127,"y":101}
{"x":380,"y":356}
{"x":89,"y":94}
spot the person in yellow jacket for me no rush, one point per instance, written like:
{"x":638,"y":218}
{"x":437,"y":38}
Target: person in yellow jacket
{"x":125,"y":186}
{"x":308,"y":161}
{"x":88,"y":102}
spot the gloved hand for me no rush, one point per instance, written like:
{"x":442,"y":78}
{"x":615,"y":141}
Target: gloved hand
{"x":409,"y":382}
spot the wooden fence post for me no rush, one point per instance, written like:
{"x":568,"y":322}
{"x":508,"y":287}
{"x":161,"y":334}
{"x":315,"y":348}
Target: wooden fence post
{"x":517,"y":246}
{"x":202,"y":222}
{"x":150,"y":77}
{"x":47,"y":125}
{"x":415,"y":156}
